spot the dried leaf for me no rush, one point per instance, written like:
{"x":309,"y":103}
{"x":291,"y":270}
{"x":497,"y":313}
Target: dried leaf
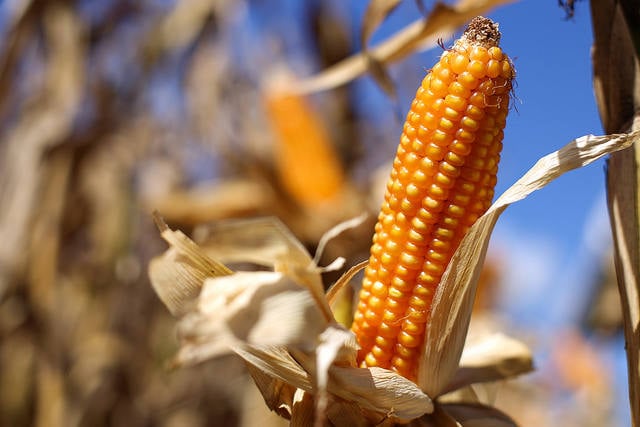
{"x":178,"y":275}
{"x":205,"y":203}
{"x":422,"y":34}
{"x":302,"y":414}
{"x":494,"y":358}
{"x":265,"y":241}
{"x":39,"y":127}
{"x":379,"y":390}
{"x":344,"y":281}
{"x":276,"y":362}
{"x":453,"y":301}
{"x":478,"y":416}
{"x":256,"y":308}
{"x":377,"y":11}
{"x":277,"y":394}
{"x":335,"y":232}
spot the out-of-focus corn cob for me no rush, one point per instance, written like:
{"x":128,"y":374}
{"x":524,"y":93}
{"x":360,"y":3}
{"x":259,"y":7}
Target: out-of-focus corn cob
{"x":442,"y":180}
{"x":307,"y":163}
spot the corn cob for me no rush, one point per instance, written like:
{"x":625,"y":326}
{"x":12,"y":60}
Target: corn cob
{"x":307,"y":163}
{"x":442,"y":180}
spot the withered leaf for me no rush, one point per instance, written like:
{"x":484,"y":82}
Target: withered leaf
{"x":478,"y":416}
{"x":277,"y":394}
{"x":276,"y":362}
{"x":493,"y":358}
{"x":178,"y":275}
{"x":380,"y":390}
{"x":256,"y":308}
{"x":377,"y":11}
{"x":265,"y":241}
{"x":451,"y":310}
{"x":422,"y":34}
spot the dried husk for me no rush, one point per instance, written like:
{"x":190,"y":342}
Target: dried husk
{"x":441,"y":23}
{"x":451,"y":312}
{"x":257,"y":308}
{"x":178,"y":275}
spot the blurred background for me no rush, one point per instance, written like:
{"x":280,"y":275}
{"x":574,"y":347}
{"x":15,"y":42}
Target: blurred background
{"x":110,"y":110}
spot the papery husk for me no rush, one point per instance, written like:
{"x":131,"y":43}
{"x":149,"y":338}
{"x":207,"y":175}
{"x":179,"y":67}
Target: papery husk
{"x":451,"y":310}
{"x":492,"y":358}
{"x":256,"y":308}
{"x":379,"y":391}
{"x":441,"y":23}
{"x":303,"y":413}
{"x":177,"y":276}
{"x":468,"y":415}
{"x":277,"y":394}
{"x":268,"y":242}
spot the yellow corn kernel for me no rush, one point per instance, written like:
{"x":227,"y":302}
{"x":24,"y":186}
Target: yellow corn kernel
{"x":442,"y":180}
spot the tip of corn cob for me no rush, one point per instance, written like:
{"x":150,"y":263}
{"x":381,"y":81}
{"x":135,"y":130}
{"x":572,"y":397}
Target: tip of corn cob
{"x":481,"y":31}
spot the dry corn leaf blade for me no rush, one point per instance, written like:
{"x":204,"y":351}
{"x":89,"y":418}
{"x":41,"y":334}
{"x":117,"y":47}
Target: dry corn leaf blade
{"x":335,"y":231}
{"x":265,"y":241}
{"x":470,"y":415}
{"x":277,"y":394}
{"x":422,"y":34}
{"x":178,"y":274}
{"x":212,"y":201}
{"x":451,"y":310}
{"x":375,"y":389}
{"x":379,"y":390}
{"x":276,"y":362}
{"x":494,"y":358}
{"x":377,"y":11}
{"x":344,"y":280}
{"x":304,"y":410}
{"x":257,"y":308}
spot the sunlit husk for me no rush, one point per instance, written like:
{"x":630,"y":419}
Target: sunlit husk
{"x":177,"y":276}
{"x":452,"y":305}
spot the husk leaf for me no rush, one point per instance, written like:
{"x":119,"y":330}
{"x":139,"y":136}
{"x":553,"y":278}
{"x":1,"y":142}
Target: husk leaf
{"x":277,"y":394}
{"x":451,"y":310}
{"x":468,"y":415}
{"x":423,"y":34}
{"x":379,"y":390}
{"x":265,"y":241}
{"x":496,"y":357}
{"x":257,"y":308}
{"x":178,"y":274}
{"x":276,"y":362}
